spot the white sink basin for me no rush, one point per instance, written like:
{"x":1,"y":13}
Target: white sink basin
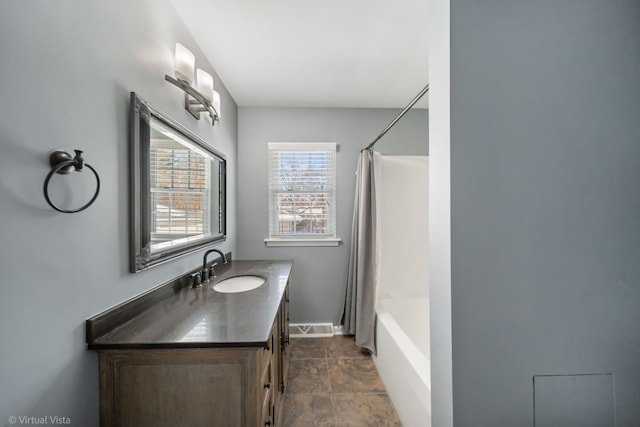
{"x":238,"y":284}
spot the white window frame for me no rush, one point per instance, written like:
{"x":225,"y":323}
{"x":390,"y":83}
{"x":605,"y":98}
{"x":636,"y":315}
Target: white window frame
{"x":330,"y":238}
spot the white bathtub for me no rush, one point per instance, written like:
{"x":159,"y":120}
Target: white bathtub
{"x":402,"y":360}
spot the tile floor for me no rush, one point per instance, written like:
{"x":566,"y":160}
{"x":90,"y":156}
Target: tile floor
{"x":332,"y":383}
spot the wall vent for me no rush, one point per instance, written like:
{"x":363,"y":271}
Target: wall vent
{"x":574,"y":400}
{"x":310,"y":330}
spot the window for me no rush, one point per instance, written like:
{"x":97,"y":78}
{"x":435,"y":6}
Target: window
{"x":302,"y":194}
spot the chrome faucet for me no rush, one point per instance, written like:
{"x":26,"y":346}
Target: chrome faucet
{"x":206,"y":272}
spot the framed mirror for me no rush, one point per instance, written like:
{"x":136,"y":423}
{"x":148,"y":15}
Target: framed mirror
{"x":178,"y":189}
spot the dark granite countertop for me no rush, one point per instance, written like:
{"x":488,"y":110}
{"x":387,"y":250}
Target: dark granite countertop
{"x":174,"y":315}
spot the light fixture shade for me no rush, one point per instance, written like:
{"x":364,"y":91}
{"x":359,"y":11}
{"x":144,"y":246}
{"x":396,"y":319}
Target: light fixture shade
{"x":184,"y":63}
{"x":204,"y":84}
{"x":216,"y":103}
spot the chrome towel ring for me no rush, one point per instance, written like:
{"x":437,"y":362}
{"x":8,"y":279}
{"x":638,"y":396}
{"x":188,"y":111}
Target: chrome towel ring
{"x":62,"y":163}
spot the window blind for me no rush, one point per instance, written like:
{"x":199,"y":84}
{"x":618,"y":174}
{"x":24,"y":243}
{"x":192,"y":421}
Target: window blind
{"x":302,"y":190}
{"x":180,"y":190}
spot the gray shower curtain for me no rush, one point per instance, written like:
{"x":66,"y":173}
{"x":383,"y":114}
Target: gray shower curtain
{"x":359,"y":317}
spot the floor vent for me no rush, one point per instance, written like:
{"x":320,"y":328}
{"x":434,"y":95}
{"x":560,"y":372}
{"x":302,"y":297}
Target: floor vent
{"x":310,"y":330}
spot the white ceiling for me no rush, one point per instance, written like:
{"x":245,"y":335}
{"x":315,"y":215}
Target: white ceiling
{"x":329,"y":53}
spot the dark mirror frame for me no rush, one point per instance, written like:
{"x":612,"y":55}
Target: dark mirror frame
{"x":141,"y":114}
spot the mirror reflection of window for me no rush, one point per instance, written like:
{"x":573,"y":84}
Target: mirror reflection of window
{"x":181,"y":179}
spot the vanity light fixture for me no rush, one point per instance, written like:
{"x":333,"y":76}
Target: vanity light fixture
{"x":216,"y":102}
{"x":204,"y":84}
{"x":196,"y":99}
{"x":184,"y":61}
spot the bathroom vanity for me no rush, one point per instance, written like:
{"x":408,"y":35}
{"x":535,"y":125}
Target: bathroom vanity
{"x":196,"y":357}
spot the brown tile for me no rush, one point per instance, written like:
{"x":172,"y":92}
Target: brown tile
{"x":354,"y":376}
{"x":307,"y":348}
{"x":364,"y":410}
{"x":343,"y":346}
{"x":342,"y":389}
{"x":308,"y":376}
{"x":306,"y":410}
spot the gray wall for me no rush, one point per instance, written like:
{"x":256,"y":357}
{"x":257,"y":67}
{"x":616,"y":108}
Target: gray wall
{"x":545,"y":166}
{"x":319,"y":273}
{"x":67,"y":69}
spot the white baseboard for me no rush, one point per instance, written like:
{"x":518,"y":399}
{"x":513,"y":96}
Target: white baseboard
{"x":338,"y":330}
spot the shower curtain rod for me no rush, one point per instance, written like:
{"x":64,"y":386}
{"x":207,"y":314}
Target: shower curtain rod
{"x":399,"y":116}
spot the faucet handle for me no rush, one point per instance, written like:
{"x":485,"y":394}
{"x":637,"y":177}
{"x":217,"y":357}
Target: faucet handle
{"x":207,"y":273}
{"x":211,"y":272}
{"x":196,"y":280}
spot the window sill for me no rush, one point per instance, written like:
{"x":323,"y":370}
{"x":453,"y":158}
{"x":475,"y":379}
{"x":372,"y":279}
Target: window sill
{"x":333,"y":241}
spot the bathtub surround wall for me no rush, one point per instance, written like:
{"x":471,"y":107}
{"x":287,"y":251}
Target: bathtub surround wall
{"x":402,"y":235}
{"x":67,"y":69}
{"x":545,"y":237}
{"x":402,"y":285}
{"x":319,"y":275}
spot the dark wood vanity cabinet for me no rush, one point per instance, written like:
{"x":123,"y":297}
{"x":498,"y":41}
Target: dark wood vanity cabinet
{"x":220,"y":387}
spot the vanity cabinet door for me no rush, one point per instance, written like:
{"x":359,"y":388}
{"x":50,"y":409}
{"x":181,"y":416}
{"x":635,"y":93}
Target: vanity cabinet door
{"x":282,"y":322}
{"x":267,"y":382}
{"x":185,"y":387}
{"x":285,"y":328}
{"x":284,"y":319}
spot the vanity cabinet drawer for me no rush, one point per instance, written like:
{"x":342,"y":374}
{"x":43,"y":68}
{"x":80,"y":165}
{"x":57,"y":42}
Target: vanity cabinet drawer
{"x":268,"y":410}
{"x":266,"y":354}
{"x":267,"y":416}
{"x":266,"y":384}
